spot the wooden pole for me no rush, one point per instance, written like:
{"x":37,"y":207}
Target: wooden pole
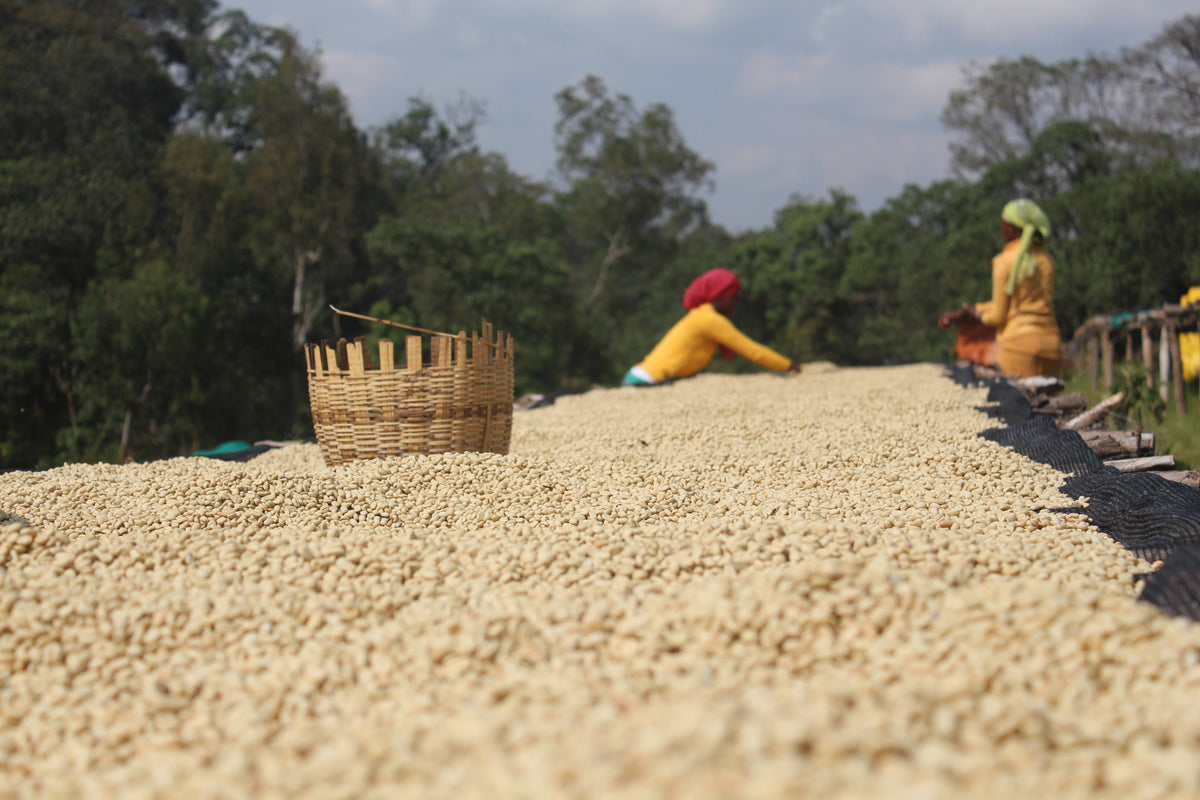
{"x":1106,"y":355}
{"x":1164,"y":364}
{"x":1177,"y":369}
{"x":1147,"y":350}
{"x":1093,"y":360}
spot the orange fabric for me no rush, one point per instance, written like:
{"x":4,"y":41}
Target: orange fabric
{"x":692,"y":342}
{"x":975,"y":342}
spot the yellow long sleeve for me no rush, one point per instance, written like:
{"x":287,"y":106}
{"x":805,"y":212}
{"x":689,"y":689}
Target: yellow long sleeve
{"x":692,"y":342}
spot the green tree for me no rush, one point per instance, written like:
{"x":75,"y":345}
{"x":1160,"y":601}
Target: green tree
{"x":631,"y":179}
{"x":244,"y":357}
{"x":85,"y":110}
{"x":133,"y":333}
{"x":925,"y":251}
{"x":1168,"y":68}
{"x":791,"y":274}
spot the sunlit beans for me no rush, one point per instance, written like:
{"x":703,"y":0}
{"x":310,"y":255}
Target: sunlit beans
{"x":823,"y":585}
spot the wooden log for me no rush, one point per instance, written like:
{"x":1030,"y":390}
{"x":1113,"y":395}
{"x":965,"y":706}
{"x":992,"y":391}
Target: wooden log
{"x":1188,"y":477}
{"x":1142,"y":464}
{"x":1095,"y":413}
{"x":1039,"y":383}
{"x":1066,"y":402}
{"x":1108,"y":444}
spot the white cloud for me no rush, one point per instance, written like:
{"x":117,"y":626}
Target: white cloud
{"x":359,"y":75}
{"x":685,"y":16}
{"x":784,"y":97}
{"x":1017,"y":27}
{"x":901,"y":91}
{"x":748,"y":160}
{"x":414,"y":10}
{"x":890,"y":90}
{"x":768,"y":73}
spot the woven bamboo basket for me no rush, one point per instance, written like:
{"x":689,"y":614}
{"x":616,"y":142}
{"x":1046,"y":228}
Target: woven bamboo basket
{"x":451,"y":394}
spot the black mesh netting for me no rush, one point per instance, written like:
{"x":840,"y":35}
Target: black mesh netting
{"x":1144,"y":512}
{"x":1041,"y":440}
{"x":1175,"y":586}
{"x":1155,"y":518}
{"x":1065,"y":451}
{"x":1011,"y":405}
{"x":1116,"y":492}
{"x":963,"y":375}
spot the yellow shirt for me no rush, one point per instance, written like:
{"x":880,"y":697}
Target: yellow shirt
{"x":691,"y":343}
{"x":1024,"y":321}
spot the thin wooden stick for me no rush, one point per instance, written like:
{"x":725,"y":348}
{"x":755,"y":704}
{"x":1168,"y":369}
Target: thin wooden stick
{"x":394,"y":324}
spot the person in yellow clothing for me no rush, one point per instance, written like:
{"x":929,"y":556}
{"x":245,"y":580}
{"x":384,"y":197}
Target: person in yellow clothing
{"x":695,"y":339}
{"x":1022,"y":305}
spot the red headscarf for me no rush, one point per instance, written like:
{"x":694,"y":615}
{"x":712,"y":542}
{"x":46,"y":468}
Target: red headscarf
{"x":712,"y":285}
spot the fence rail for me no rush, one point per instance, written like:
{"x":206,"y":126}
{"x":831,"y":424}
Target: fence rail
{"x":1150,"y":337}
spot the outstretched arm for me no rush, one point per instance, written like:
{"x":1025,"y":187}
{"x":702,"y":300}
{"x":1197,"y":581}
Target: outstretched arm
{"x":723,"y":332}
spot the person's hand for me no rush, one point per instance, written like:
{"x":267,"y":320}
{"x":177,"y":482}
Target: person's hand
{"x":957,"y":317}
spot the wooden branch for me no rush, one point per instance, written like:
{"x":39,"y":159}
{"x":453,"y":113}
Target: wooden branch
{"x":1107,"y":444}
{"x":399,"y":325}
{"x":1142,"y":464}
{"x":616,"y":249}
{"x":1095,"y":413}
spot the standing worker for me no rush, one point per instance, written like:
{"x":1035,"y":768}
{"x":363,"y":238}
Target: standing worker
{"x":1022,"y":305}
{"x":692,"y":342}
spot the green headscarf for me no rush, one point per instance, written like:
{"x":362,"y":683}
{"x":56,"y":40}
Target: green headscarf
{"x":1026,"y":215}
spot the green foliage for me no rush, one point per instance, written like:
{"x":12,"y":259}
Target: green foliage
{"x":132,"y":333}
{"x":631,"y":193}
{"x":449,"y":279}
{"x":791,"y":275}
{"x":1141,"y":403}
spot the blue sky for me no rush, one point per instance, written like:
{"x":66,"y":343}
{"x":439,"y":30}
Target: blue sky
{"x":783,"y":97}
